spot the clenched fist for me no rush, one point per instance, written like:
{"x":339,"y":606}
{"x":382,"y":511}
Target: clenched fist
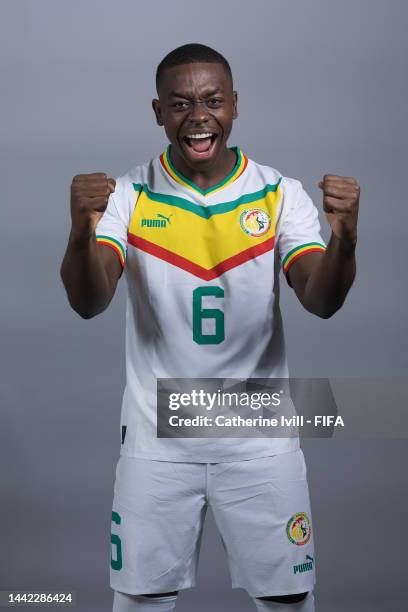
{"x":341,"y":196}
{"x":89,"y":199}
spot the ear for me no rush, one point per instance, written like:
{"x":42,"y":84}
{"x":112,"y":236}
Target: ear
{"x":235,"y":104}
{"x":157,"y":111}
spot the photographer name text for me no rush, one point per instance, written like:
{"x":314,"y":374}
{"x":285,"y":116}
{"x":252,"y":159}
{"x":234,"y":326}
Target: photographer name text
{"x":238,"y":421}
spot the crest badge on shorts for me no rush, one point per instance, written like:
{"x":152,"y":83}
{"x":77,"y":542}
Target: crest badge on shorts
{"x":299,"y":529}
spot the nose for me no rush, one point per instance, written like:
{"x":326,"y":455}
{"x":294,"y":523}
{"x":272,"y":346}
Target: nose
{"x":199,"y":113}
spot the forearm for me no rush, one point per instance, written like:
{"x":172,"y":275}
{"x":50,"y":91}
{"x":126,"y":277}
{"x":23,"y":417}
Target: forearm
{"x":331,"y":279}
{"x":84,"y":276}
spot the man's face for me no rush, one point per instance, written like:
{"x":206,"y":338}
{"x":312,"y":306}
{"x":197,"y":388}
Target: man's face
{"x":196,"y":106}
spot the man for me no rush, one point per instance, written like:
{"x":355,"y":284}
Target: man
{"x":202,"y":233}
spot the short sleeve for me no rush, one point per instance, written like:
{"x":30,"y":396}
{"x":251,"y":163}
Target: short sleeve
{"x":298,"y":227}
{"x":112,"y":228}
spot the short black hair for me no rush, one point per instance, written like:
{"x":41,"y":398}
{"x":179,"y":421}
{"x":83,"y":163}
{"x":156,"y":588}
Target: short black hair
{"x":192,"y":53}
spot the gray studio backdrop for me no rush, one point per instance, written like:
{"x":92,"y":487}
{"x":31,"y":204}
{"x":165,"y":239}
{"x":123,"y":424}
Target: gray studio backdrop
{"x":322,"y":88}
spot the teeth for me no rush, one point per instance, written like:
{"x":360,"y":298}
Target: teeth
{"x":206,"y":135}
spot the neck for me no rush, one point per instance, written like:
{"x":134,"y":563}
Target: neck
{"x":205,"y":179}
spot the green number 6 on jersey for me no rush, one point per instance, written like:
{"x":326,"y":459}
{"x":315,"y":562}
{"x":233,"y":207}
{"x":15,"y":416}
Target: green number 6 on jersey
{"x":200,"y":313}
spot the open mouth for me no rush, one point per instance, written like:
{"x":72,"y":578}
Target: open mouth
{"x":200,"y":145}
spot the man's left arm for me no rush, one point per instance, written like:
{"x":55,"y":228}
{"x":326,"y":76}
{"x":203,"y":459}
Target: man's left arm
{"x":321,"y":280}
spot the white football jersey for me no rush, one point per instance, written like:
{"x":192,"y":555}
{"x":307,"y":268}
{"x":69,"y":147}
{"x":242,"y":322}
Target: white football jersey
{"x":202,"y":270}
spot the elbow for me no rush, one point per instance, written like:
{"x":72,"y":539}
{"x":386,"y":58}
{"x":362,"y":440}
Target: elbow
{"x":84,"y":314}
{"x":84,"y":307}
{"x":81,"y":310}
{"x":325,"y":314}
{"x":322,"y":309}
{"x":87,"y":311}
{"x":326,"y":311}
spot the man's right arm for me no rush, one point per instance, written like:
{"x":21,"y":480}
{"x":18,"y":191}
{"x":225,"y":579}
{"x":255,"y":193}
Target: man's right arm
{"x":89,"y":271}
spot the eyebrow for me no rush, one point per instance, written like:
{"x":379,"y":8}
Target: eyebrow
{"x":211,"y":92}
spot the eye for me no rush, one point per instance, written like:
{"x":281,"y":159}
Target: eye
{"x":181,"y":105}
{"x":214,"y":102}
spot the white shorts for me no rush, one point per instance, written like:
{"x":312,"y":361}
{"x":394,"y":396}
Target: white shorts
{"x":261,"y":508}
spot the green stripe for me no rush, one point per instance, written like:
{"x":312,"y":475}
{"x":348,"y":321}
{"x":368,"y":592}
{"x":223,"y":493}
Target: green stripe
{"x":302,"y":246}
{"x":210,"y":189}
{"x":113,"y":240}
{"x":207,"y":211}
